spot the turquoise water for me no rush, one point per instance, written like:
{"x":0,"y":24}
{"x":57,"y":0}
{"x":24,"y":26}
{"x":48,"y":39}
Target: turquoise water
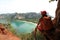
{"x":4,"y":21}
{"x":20,"y":26}
{"x":23,"y":27}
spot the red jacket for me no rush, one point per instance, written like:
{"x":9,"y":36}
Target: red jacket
{"x":45,"y":23}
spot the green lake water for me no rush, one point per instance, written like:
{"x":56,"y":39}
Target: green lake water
{"x":23,"y":26}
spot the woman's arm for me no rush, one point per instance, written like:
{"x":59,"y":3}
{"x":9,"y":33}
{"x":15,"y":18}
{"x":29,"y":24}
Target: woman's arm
{"x":38,"y":22}
{"x":36,"y":29}
{"x":37,"y":25}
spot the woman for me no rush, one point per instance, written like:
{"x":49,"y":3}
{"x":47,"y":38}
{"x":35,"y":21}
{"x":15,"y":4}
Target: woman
{"x":45,"y":26}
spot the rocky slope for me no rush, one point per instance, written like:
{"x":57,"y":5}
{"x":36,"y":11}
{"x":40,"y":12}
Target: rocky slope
{"x":7,"y":35}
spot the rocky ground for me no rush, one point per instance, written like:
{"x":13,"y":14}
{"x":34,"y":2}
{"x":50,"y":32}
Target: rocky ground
{"x":7,"y":35}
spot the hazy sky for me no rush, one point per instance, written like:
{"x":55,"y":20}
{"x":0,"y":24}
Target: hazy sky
{"x":11,"y":6}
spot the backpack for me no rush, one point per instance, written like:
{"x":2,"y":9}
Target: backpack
{"x":47,"y":23}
